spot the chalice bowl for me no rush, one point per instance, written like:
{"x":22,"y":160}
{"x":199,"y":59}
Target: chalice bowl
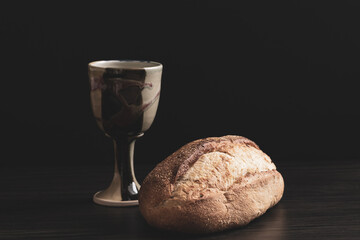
{"x":124,"y":98}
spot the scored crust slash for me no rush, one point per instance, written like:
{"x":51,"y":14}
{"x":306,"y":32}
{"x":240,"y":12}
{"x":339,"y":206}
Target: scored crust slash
{"x":210,"y":185}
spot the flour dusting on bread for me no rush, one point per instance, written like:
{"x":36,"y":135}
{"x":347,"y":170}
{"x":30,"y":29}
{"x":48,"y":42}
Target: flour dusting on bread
{"x":218,"y":171}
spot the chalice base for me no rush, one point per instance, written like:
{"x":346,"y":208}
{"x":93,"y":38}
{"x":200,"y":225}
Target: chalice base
{"x":112,"y":195}
{"x":113,"y":203}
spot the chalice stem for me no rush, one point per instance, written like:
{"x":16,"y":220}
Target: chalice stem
{"x":124,"y":172}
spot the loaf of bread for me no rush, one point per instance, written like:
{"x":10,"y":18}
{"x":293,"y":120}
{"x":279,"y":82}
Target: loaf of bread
{"x":210,"y":185}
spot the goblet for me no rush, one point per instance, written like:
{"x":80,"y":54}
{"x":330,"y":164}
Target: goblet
{"x":124,"y":98}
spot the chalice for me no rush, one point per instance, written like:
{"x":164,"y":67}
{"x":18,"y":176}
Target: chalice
{"x":124,"y":98}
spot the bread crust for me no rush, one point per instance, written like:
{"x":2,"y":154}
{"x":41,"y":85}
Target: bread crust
{"x":246,"y":199}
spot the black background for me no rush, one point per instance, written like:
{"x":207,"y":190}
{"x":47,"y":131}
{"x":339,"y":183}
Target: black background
{"x":283,"y":74}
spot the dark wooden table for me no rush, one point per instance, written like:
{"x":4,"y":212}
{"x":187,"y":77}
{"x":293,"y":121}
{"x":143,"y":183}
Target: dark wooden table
{"x":321,"y":201}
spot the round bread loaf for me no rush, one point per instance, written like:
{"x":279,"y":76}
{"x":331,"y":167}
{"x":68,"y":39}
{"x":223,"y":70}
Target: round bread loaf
{"x":210,"y":185}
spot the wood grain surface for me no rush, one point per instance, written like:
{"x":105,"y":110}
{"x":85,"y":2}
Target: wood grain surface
{"x":321,"y":201}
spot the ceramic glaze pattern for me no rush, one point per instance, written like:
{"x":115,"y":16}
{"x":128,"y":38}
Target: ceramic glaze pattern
{"x":124,"y":101}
